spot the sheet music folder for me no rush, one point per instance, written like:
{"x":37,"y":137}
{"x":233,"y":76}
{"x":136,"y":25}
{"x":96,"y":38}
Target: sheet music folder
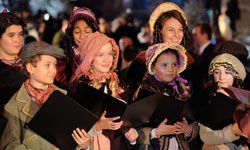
{"x":140,"y":112}
{"x":219,"y":112}
{"x":58,"y":117}
{"x":151,"y":108}
{"x":96,"y":101}
{"x":168,"y":107}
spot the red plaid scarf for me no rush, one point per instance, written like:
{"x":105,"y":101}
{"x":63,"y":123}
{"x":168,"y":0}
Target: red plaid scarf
{"x":40,"y":95}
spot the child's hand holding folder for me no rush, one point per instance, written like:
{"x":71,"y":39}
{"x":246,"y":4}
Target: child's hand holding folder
{"x":165,"y":129}
{"x":131,"y":135}
{"x":183,"y":127}
{"x":82,"y":138}
{"x":108,"y":123}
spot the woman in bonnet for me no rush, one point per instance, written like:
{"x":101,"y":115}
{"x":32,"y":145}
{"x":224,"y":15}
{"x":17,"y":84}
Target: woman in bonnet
{"x":99,"y":55}
{"x":164,"y":64}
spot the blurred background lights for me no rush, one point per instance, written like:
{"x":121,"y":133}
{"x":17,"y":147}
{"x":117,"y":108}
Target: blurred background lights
{"x":46,"y":17}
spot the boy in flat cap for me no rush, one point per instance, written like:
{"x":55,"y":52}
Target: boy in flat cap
{"x":40,"y":61}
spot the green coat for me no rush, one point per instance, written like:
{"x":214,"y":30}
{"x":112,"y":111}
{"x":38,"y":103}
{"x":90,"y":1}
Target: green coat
{"x":19,"y":111}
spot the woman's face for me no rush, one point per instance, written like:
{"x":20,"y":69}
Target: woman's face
{"x":104,"y":59}
{"x":223,"y":77}
{"x":172,"y":31}
{"x":166,"y":67}
{"x":11,"y":42}
{"x":80,"y":31}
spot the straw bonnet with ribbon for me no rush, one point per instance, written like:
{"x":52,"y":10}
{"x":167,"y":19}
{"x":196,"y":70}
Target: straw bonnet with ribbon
{"x":162,"y":8}
{"x":157,"y":49}
{"x":228,"y":61}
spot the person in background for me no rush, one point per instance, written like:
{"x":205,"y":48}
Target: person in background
{"x":39,"y":60}
{"x":144,"y":35}
{"x":203,"y":53}
{"x":202,"y":35}
{"x":104,"y":26}
{"x":11,"y":41}
{"x":123,"y":42}
{"x":218,"y":129}
{"x":99,"y":55}
{"x":127,"y":56}
{"x":224,"y":25}
{"x":165,"y":62}
{"x":59,"y":35}
{"x":234,"y":13}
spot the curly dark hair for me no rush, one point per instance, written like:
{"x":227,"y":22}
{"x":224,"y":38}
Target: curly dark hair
{"x":7,"y":19}
{"x":157,"y":35}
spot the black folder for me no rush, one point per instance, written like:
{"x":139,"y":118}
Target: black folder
{"x":151,"y":108}
{"x":168,"y":107}
{"x":140,"y":112}
{"x":58,"y":117}
{"x":97,"y":101}
{"x":3,"y":123}
{"x":219,"y":112}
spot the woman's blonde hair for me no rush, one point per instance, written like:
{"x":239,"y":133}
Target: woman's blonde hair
{"x":113,"y":85}
{"x":111,"y":77}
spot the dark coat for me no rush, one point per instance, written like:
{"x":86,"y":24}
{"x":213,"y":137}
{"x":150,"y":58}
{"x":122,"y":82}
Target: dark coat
{"x":200,"y":75}
{"x":200,"y":68}
{"x":11,"y":79}
{"x":151,"y":84}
